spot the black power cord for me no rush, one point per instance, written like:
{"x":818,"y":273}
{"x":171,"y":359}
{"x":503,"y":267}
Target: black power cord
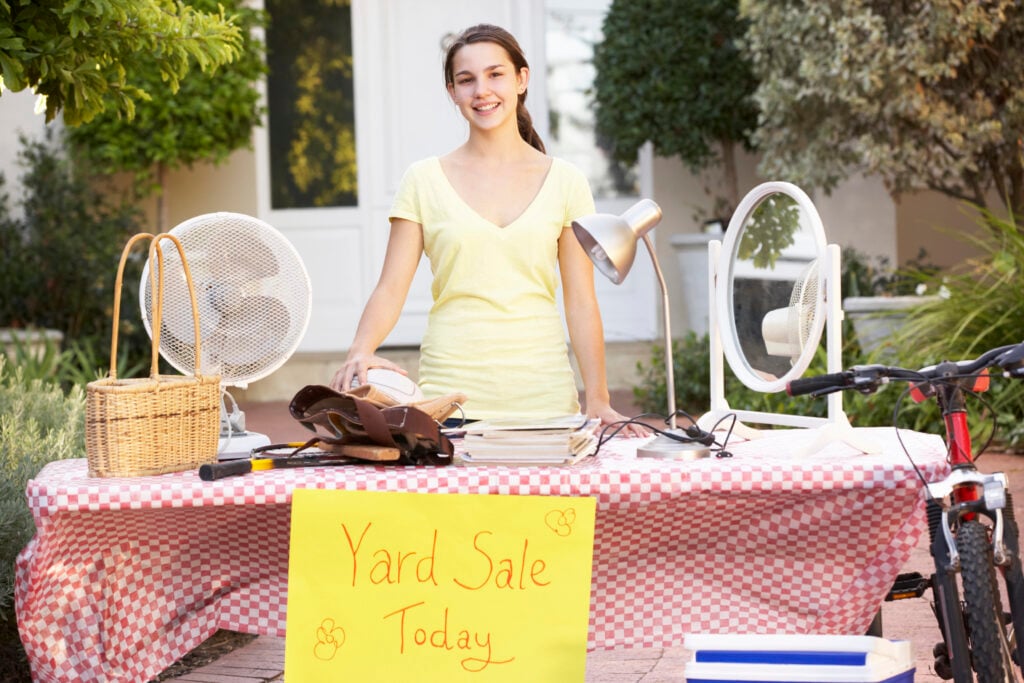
{"x":693,"y":433}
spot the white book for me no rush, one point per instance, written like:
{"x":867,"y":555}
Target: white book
{"x":510,"y":457}
{"x":501,"y":449}
{"x":502,"y":427}
{"x":530,"y":445}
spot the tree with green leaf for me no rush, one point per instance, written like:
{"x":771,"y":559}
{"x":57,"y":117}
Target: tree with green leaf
{"x":927,"y":94}
{"x":79,"y":54}
{"x":672,"y":72}
{"x":201,"y":119}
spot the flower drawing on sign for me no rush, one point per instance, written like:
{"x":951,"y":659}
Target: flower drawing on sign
{"x":329,"y":638}
{"x":561,"y":521}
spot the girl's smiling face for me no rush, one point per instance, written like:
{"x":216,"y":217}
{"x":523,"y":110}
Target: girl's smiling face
{"x":486,"y":86}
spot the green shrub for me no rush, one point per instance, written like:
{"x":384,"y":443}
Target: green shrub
{"x":58,"y":258}
{"x":39,"y":358}
{"x":691,"y":356}
{"x":984,"y":308}
{"x":76,"y":365}
{"x":38,"y":424}
{"x":864,"y":275}
{"x":692,"y":373}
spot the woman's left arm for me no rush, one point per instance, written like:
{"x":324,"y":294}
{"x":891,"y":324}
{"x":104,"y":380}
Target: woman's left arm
{"x":586,"y":333}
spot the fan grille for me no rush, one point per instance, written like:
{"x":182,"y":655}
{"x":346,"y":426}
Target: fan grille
{"x":252,"y":291}
{"x":802,"y":307}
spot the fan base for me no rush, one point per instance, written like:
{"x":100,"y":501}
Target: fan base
{"x":240,"y":444}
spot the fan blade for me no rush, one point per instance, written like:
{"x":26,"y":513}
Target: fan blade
{"x":249,"y":259}
{"x":251,"y":331}
{"x":176,"y":313}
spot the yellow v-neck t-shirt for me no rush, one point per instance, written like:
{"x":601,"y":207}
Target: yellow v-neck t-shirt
{"x":494,"y":331}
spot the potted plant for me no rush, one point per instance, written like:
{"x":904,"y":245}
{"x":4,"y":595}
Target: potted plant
{"x":879,"y":296}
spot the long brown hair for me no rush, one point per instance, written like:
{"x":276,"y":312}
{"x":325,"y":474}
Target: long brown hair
{"x":488,"y":33}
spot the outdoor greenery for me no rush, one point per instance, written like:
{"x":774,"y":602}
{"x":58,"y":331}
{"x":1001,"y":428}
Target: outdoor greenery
{"x":692,"y":375}
{"x":924,"y":94}
{"x":865,"y":275}
{"x":672,"y":73}
{"x":81,"y":54}
{"x":39,"y":423}
{"x":984,"y":309}
{"x":692,"y":379}
{"x":203,"y":119}
{"x":59,"y":257}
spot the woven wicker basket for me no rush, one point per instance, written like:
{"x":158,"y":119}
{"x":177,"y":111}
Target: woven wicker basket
{"x":156,"y":424}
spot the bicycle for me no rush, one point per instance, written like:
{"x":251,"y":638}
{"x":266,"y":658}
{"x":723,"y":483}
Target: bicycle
{"x":972,"y":529}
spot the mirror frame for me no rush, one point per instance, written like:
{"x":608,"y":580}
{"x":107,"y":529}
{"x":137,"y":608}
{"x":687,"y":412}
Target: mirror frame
{"x":724,"y":287}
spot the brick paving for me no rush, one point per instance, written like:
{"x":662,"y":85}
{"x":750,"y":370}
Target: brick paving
{"x":262,"y":660}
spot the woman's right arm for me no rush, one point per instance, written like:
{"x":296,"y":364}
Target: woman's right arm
{"x":405,"y":247}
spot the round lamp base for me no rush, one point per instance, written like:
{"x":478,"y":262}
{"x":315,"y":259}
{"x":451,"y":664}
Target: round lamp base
{"x":667,"y":448}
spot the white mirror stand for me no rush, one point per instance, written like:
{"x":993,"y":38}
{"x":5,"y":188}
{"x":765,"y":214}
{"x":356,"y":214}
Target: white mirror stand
{"x":725,"y":345}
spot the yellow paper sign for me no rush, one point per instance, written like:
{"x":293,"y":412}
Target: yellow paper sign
{"x":388,"y":586}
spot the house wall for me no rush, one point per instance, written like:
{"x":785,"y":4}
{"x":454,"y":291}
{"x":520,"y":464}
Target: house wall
{"x":932,"y":221}
{"x":206,"y":188}
{"x":17,"y":117}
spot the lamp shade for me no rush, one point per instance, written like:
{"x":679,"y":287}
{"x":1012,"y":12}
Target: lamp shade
{"x":610,"y":240}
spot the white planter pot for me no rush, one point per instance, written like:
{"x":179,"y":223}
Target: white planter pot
{"x":875,"y":318}
{"x":692,"y":255}
{"x":33,"y":341}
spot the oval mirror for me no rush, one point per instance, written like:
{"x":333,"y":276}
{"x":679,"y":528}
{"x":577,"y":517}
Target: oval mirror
{"x":769,"y":294}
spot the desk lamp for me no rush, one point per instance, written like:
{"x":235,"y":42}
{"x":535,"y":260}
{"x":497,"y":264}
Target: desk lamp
{"x":610,"y":242}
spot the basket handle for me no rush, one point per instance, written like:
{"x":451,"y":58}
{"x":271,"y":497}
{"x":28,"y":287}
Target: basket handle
{"x":156,"y":285}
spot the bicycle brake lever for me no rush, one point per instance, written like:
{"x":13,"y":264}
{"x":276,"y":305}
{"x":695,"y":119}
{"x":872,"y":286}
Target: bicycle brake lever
{"x":1012,"y":362}
{"x":825,"y":392}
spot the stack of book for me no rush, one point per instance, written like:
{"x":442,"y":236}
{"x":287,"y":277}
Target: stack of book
{"x":554,"y":441}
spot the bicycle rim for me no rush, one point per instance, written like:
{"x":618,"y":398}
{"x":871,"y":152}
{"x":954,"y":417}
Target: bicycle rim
{"x":982,"y":605}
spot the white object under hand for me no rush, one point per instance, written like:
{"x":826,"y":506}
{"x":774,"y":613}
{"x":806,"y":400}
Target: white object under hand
{"x":394,"y":384}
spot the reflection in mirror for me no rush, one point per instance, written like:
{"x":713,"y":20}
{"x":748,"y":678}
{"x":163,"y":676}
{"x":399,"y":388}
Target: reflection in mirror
{"x":769,"y":229}
{"x":774,"y":294}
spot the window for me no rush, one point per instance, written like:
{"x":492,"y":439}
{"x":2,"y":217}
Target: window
{"x":310,"y":101}
{"x":573,"y":28}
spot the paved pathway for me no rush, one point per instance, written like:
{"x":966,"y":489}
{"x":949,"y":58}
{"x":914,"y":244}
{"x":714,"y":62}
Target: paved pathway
{"x":262,"y":660}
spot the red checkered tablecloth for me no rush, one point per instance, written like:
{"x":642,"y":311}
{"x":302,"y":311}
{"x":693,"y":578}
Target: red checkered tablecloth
{"x":124,"y":576}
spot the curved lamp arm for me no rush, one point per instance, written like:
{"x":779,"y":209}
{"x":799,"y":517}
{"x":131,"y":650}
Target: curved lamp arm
{"x":610,"y":242}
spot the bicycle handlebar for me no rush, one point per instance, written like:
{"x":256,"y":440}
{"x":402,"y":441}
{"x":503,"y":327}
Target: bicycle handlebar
{"x":835,"y":381}
{"x":867,"y":378}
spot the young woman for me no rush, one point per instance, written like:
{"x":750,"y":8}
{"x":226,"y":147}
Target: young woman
{"x":494,"y":218}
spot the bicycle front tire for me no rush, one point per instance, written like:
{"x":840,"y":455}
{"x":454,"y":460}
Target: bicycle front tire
{"x":982,"y":606}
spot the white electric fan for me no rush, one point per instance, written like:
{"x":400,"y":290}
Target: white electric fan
{"x":786,"y":331}
{"x":254,"y":299}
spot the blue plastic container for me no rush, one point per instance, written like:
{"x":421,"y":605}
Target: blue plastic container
{"x":798,"y":659}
